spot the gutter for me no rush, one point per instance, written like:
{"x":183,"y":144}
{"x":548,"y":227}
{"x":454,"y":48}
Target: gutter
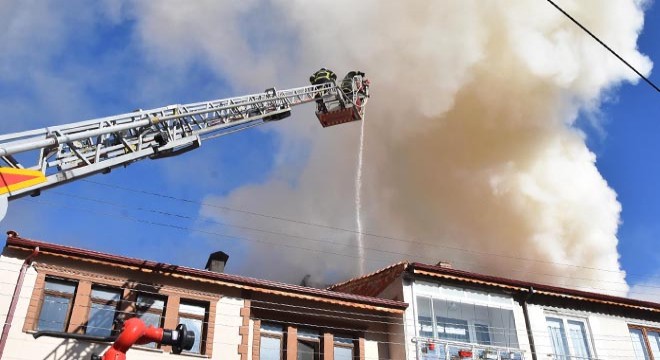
{"x":16,"y":295}
{"x":530,"y":336}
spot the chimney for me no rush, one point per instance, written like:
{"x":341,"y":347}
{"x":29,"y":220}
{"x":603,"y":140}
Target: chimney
{"x":217,"y":262}
{"x":444,"y":265}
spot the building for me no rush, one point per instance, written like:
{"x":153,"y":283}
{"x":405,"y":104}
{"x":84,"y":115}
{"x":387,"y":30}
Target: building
{"x":59,"y":288}
{"x":457,"y":314}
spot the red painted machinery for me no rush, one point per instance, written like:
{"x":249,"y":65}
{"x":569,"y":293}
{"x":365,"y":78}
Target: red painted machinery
{"x":134,"y":332}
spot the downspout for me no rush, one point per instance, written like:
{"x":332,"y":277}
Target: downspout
{"x":15,"y":296}
{"x":530,"y":336}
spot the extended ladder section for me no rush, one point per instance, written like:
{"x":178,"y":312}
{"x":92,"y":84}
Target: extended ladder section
{"x":55,"y":155}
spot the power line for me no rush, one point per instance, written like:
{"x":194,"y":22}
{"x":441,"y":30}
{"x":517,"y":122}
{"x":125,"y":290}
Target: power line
{"x":370,"y":259}
{"x":331,"y":227}
{"x":316,"y":250}
{"x":604,"y":45}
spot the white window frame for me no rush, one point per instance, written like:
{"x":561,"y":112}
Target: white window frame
{"x":587,"y":328}
{"x":432,"y":290}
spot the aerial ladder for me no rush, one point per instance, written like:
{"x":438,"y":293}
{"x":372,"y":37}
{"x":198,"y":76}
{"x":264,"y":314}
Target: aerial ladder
{"x":36,"y":160}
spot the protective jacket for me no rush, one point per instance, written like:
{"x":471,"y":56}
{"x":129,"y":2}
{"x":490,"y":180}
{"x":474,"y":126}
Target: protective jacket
{"x":322,"y":76}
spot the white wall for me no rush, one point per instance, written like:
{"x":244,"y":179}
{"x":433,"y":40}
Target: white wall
{"x":227,"y":322}
{"x":609,"y":335}
{"x":371,"y":350}
{"x":409,"y":320}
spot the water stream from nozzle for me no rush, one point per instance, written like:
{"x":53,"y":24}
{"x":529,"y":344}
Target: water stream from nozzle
{"x":358,"y":202}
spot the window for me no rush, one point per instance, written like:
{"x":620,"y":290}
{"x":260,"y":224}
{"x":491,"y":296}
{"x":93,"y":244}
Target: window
{"x":569,"y":338}
{"x":344,"y":348}
{"x":460,"y":321}
{"x":150,"y":309}
{"x":271,"y":347}
{"x":104,"y":303}
{"x":56,"y":304}
{"x":308,"y":345}
{"x":193,"y":315}
{"x":645,"y":341}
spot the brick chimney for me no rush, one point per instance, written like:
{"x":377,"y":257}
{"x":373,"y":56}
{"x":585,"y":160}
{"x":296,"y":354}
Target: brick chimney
{"x":217,"y":262}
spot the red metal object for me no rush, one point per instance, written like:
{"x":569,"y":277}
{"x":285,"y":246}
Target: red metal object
{"x":339,"y":116}
{"x":465,"y":354}
{"x":431,"y":346}
{"x":134,"y":332}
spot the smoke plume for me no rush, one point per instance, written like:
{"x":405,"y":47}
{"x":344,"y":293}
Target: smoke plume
{"x":472,"y":155}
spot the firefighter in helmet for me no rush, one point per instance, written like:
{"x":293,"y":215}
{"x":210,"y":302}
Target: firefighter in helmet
{"x":321,"y":77}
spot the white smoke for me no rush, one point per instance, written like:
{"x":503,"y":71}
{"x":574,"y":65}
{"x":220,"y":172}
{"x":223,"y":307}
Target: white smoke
{"x":470,"y":144}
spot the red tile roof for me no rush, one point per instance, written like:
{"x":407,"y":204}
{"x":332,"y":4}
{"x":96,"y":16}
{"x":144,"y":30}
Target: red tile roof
{"x":362,"y":285}
{"x":259,"y":285}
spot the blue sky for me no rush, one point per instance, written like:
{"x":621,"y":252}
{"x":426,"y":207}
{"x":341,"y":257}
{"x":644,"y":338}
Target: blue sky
{"x":63,"y":68}
{"x":627,"y":158}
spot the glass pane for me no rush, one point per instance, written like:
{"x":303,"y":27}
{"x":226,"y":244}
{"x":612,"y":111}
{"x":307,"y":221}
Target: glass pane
{"x":308,"y":350}
{"x":62,"y":286}
{"x":150,"y":302}
{"x":101,"y":318}
{"x":451,"y":320}
{"x":153,"y":320}
{"x":558,"y":337}
{"x":106,"y":294}
{"x":271,"y":327}
{"x":343,"y":353}
{"x":638,"y":344}
{"x":54,"y":311}
{"x":344,"y":339}
{"x":308,"y":333}
{"x":270,"y":349}
{"x":194,"y":325}
{"x":192,"y":309}
{"x":424,"y":317}
{"x":452,"y":329}
{"x":503,"y":327}
{"x":654,"y":340}
{"x":482,"y":334}
{"x":578,"y":338}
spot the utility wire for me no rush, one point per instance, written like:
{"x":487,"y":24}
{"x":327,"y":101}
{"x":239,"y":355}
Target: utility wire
{"x":370,"y":259}
{"x":604,"y":45}
{"x":330,"y":227}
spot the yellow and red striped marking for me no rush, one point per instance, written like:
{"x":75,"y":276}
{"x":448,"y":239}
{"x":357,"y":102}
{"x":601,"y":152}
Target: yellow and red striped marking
{"x":15,"y":179}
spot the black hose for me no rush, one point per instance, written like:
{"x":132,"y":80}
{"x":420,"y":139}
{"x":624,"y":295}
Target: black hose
{"x":65,"y":335}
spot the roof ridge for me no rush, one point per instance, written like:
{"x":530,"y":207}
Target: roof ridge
{"x":362,"y":277}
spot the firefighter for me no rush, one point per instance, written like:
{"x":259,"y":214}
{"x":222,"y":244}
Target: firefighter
{"x":320,"y":77}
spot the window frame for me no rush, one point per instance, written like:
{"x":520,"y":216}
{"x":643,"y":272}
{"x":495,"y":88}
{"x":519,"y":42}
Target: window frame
{"x":46,"y":292}
{"x":138,"y":312}
{"x":569,"y":342}
{"x":316,"y":343}
{"x":204,"y":319}
{"x":292,"y":336}
{"x":352,"y":345}
{"x":471,"y":330}
{"x":99,"y":301}
{"x":273,"y":335}
{"x":647,"y":343}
